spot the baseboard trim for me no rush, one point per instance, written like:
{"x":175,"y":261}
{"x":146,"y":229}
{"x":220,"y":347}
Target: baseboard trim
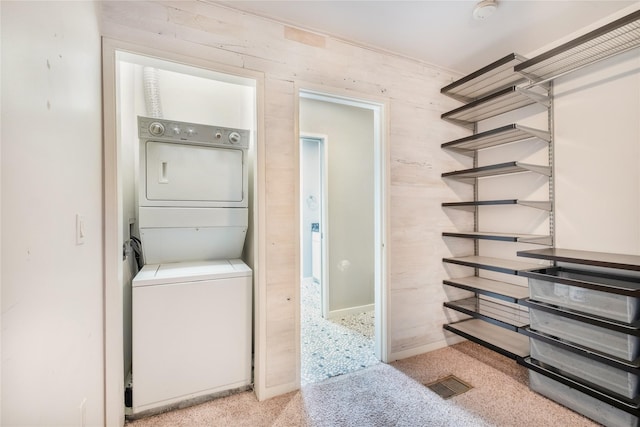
{"x":351,"y":310}
{"x":269,"y":392}
{"x":399,"y":355}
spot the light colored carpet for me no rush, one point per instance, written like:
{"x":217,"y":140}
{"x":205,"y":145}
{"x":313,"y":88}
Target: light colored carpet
{"x":381,"y":396}
{"x":393,"y":395}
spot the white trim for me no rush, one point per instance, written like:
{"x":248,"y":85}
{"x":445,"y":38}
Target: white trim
{"x":325,"y":229}
{"x":113,"y":304}
{"x":351,"y":310}
{"x":298,"y":256}
{"x":112,"y":236}
{"x":381,"y":109}
{"x":260,"y":248}
{"x":382,"y":120}
{"x":277,"y":390}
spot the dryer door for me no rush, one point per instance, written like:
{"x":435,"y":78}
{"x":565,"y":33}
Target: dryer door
{"x":181,"y":172}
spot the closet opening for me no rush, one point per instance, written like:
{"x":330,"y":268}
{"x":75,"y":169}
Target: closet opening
{"x":166,"y":119}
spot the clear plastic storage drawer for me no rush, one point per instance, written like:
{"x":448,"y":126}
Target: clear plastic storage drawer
{"x":618,"y":344}
{"x":591,"y":407}
{"x":546,"y":287}
{"x":608,"y":377}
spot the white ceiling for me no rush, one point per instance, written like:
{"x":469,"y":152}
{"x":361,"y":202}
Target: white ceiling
{"x":443,"y":33}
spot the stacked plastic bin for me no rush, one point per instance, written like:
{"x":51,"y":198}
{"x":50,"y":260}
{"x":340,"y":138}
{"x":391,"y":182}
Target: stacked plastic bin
{"x":585,"y":337}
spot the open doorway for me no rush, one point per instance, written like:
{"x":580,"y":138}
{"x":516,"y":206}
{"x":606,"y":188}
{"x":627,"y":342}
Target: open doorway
{"x":341,"y":235}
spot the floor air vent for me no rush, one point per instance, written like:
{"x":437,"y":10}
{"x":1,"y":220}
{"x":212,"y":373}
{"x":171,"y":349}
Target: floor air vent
{"x":449,"y":386}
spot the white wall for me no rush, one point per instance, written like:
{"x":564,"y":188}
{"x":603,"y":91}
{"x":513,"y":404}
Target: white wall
{"x":51,"y":288}
{"x":311,"y":195}
{"x":52,"y":329}
{"x":597,"y":151}
{"x":1,"y":56}
{"x":288,"y":58}
{"x":597,"y":131}
{"x":350,"y":170}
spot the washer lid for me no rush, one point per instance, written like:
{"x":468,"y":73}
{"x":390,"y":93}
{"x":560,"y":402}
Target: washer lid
{"x":171,"y":273}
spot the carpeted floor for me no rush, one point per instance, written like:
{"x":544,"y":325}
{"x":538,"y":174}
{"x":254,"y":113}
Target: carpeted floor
{"x":393,"y":395}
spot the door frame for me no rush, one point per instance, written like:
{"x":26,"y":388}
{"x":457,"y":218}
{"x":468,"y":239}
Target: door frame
{"x":323,"y":140}
{"x":380,"y":107}
{"x":112,"y":220}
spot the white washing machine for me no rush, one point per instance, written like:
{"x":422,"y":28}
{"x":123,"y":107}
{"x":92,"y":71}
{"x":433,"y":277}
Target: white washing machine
{"x":191,"y":302}
{"x":190,"y":331}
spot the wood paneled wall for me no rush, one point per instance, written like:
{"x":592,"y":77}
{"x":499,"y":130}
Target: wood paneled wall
{"x":289,"y":56}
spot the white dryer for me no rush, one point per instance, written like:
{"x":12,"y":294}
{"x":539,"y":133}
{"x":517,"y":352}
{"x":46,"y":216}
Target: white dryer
{"x":192,"y":191}
{"x":191,"y":302}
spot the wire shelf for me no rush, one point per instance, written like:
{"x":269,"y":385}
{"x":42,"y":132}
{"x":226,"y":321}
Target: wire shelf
{"x":614,"y":38}
{"x":495,"y":170}
{"x":471,"y":205}
{"x":486,"y":80}
{"x":491,"y":138}
{"x":505,"y":100}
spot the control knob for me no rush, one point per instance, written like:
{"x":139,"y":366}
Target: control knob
{"x":234,"y":137}
{"x":156,"y":128}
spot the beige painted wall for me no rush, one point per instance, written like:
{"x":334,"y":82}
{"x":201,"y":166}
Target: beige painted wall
{"x":350,"y":180}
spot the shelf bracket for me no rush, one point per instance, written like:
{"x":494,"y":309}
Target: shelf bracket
{"x":536,"y":97}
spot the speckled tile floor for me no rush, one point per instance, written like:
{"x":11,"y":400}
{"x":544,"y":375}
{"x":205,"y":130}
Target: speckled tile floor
{"x":332,"y":347}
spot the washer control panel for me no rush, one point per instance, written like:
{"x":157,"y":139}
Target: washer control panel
{"x":171,"y":130}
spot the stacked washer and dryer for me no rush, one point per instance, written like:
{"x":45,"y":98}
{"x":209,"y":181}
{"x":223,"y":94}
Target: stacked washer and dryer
{"x":191,"y":302}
